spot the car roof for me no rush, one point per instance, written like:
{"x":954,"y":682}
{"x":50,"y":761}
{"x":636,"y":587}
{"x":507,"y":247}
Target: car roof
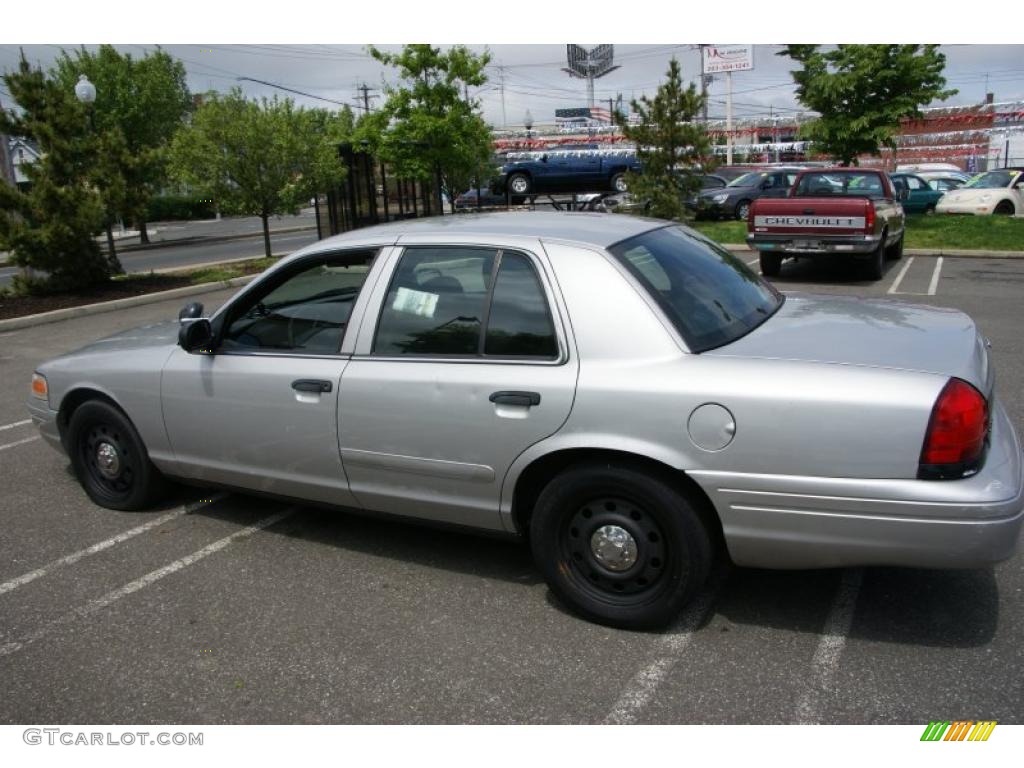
{"x":587,"y":228}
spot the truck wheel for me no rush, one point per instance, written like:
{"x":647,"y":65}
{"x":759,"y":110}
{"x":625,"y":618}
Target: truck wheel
{"x":771,"y":264}
{"x":1005,"y":208}
{"x":519,"y":183}
{"x":742,"y":209}
{"x":620,"y":545}
{"x":896,"y":250}
{"x":874,"y":267}
{"x":618,"y":182}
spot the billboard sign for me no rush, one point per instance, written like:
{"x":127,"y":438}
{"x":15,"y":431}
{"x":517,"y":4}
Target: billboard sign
{"x":593,"y":63}
{"x":727,"y":58}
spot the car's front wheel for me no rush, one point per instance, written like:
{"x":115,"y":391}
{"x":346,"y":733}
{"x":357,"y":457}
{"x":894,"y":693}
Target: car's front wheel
{"x":519,"y":183}
{"x":109,"y":458}
{"x":742,"y":210}
{"x":619,"y":183}
{"x":619,"y":545}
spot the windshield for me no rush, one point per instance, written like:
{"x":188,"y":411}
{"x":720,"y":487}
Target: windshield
{"x":845,"y":184}
{"x":992,"y":180}
{"x":747,"y":180}
{"x":711,"y":297}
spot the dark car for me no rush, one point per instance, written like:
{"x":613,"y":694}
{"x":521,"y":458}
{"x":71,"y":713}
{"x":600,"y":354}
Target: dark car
{"x":567,"y":170}
{"x":921,"y":197}
{"x":626,"y":203}
{"x":733,"y":200}
{"x":467,"y":201}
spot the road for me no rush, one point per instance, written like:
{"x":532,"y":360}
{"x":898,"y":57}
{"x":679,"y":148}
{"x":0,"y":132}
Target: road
{"x":189,"y":254}
{"x":233,"y":609}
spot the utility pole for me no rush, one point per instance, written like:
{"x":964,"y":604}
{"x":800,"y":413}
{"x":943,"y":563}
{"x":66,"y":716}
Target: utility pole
{"x":368,"y":94}
{"x":501,"y":81}
{"x":705,"y":80}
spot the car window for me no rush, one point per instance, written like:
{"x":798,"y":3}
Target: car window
{"x":747,"y":180}
{"x":991,"y":180}
{"x":518,"y":323}
{"x":305,"y":312}
{"x":710,"y":296}
{"x":846,"y":184}
{"x":913,"y":183}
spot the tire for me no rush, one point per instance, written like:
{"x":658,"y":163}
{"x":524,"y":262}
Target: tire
{"x":742,"y":209}
{"x":127,"y":479}
{"x":618,"y":182}
{"x":874,"y":266}
{"x":1005,"y":208}
{"x":519,"y":184}
{"x":771,"y":264}
{"x":671,"y":548}
{"x":895,"y":251}
{"x":929,"y":211}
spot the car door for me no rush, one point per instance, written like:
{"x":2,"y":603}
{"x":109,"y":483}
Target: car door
{"x":466,"y":365}
{"x":260,"y":411}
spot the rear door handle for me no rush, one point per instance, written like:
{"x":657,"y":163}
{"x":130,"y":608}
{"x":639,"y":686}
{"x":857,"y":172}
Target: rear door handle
{"x":515,"y":398}
{"x":317,"y":386}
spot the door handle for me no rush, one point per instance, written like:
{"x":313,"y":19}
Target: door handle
{"x":317,"y":386}
{"x":515,"y":398}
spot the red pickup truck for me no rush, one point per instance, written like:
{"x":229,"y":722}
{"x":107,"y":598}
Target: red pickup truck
{"x":830,"y":212}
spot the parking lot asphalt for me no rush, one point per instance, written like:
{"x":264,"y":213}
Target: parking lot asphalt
{"x":224,"y":608}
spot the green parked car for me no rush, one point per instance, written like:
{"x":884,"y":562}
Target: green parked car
{"x":921,"y":198}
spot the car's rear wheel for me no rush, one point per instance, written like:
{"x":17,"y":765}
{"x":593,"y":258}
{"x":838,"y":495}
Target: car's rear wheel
{"x":618,"y":183}
{"x":742,"y":209}
{"x":930,"y":210}
{"x":618,"y":545}
{"x":874,"y":265}
{"x":109,"y":458}
{"x":1005,"y":208}
{"x":895,"y":251}
{"x":519,"y":183}
{"x":771,"y":264}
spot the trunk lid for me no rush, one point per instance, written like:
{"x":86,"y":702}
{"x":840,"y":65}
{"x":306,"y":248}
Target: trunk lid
{"x":844,"y":330}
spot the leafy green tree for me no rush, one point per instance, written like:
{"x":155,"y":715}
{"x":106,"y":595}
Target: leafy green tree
{"x":140,"y":105}
{"x":428,"y":128}
{"x":863,"y":91}
{"x":670,"y":144}
{"x":260,"y":158}
{"x":52,"y":226}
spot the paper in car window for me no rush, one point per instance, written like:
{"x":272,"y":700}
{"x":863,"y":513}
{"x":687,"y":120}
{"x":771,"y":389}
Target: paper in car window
{"x":415,"y":302}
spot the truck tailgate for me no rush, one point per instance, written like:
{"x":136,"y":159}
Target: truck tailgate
{"x":810,"y":215}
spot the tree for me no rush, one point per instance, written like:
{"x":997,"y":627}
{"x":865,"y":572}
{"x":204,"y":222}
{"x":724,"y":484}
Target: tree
{"x":863,"y":91}
{"x":670,"y":144}
{"x":52,"y":226}
{"x":256,"y":158}
{"x":428,"y":126}
{"x":140,"y":105}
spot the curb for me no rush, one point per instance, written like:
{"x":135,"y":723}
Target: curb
{"x":738,"y":248}
{"x":57,"y":315}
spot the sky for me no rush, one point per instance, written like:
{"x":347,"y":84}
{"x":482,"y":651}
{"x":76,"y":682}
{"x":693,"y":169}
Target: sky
{"x":273,"y":50}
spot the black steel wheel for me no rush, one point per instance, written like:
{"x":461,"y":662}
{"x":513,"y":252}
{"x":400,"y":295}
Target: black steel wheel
{"x":109,"y":458}
{"x":618,"y":545}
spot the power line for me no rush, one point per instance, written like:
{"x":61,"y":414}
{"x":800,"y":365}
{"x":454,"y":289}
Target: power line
{"x":292,"y":90}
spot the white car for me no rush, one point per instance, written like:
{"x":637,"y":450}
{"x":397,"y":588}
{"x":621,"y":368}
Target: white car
{"x":1000,"y":191}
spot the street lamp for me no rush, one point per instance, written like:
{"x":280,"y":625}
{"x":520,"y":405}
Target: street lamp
{"x":528,"y":122}
{"x":85,"y":91}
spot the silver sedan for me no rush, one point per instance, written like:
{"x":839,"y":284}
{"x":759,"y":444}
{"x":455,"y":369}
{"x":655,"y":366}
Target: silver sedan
{"x":623,"y":393}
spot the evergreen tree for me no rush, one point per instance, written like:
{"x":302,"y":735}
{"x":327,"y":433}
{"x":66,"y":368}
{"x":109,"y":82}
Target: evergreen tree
{"x":671,"y":146}
{"x":862,"y":92}
{"x":51,"y":228}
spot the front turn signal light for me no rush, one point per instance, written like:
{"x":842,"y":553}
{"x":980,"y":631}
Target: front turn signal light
{"x":39,"y":387}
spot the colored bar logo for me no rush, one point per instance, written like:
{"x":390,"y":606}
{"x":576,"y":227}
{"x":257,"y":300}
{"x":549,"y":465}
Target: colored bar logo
{"x":958,"y":730}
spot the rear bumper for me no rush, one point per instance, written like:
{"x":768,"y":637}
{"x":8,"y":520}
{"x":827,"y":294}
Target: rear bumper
{"x":972,"y":209}
{"x":796,"y":244}
{"x":774,"y":521}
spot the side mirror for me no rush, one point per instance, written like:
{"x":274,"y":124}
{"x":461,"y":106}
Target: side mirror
{"x":190,"y":312}
{"x":197,"y":334}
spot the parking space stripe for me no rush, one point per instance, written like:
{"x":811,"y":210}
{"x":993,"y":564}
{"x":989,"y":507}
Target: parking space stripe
{"x":152,"y":577}
{"x":18,"y":442}
{"x":74,"y":557}
{"x":15,"y":424}
{"x":830,"y":648}
{"x":899,"y":278}
{"x":644,"y":685}
{"x":934,"y":284}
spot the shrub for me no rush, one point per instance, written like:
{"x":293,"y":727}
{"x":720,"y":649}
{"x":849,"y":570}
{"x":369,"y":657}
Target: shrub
{"x":179,"y":208}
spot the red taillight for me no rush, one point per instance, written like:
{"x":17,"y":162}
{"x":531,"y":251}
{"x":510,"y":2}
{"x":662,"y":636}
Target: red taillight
{"x":957,"y":430}
{"x":869,"y":217}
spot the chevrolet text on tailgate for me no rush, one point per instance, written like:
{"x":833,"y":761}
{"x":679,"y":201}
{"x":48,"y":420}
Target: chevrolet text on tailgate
{"x":830,"y":212}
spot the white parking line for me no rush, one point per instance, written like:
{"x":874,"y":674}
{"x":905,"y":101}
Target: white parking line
{"x":134,"y":586}
{"x":18,"y":442}
{"x":934,"y":284}
{"x":899,"y":278}
{"x":74,"y":557}
{"x":753,"y":261}
{"x":641,"y":689}
{"x":15,"y":424}
{"x":830,"y":648}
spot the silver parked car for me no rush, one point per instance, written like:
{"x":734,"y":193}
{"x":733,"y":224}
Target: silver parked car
{"x":623,"y":392}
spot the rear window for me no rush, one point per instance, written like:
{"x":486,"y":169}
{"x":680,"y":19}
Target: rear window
{"x":844,"y":184}
{"x":710,"y":296}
